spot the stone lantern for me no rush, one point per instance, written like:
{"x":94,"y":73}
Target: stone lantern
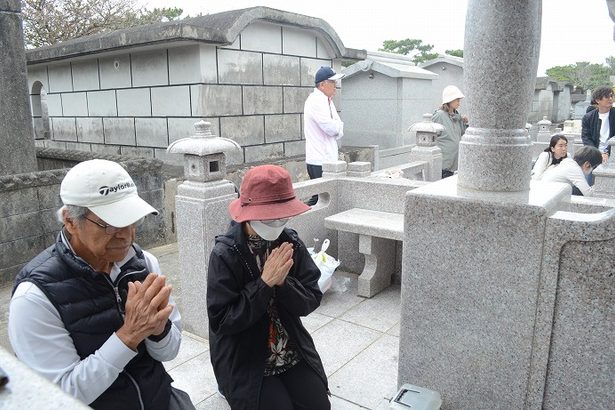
{"x":426,"y":150}
{"x":544,"y":130}
{"x":204,"y":153}
{"x":201,"y":213}
{"x":426,"y":131}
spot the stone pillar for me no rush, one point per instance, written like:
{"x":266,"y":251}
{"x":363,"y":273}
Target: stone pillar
{"x":473,"y":243}
{"x":502,"y":42}
{"x":334,"y":169}
{"x":604,"y":176}
{"x":201,"y":212}
{"x":426,"y":149}
{"x":543,"y":137}
{"x":16,"y":136}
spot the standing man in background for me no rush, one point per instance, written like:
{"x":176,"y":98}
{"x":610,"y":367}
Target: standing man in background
{"x":321,"y":124}
{"x":599,"y":125}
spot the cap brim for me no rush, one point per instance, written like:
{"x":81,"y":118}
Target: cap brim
{"x":338,"y":76}
{"x":124,"y":212}
{"x":266,"y":212}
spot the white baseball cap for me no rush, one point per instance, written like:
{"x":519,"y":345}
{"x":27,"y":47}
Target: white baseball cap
{"x":106,"y":189}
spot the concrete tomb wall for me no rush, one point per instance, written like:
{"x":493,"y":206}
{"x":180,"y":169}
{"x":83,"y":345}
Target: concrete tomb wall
{"x":137,"y":101}
{"x":383,"y":95}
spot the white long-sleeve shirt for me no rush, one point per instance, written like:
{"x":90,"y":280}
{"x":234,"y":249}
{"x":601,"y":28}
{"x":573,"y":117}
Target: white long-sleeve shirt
{"x":40,"y":340}
{"x":570,"y":172}
{"x":322,"y":127}
{"x":543,"y":162}
{"x":540,"y":166}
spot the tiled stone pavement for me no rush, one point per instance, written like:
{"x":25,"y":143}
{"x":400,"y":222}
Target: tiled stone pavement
{"x":357,"y":339}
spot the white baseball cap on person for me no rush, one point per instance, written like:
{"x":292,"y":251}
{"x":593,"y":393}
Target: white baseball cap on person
{"x":451,"y":93}
{"x":106,"y":189}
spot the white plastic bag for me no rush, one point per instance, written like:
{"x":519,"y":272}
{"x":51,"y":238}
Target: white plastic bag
{"x":327,"y":265}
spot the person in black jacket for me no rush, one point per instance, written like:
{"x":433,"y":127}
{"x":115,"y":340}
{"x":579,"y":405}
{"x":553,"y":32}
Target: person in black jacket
{"x":261,"y":280}
{"x":91,"y":312}
{"x":598,"y":125}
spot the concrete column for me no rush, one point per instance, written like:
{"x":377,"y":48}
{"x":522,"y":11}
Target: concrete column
{"x":16,"y":136}
{"x":502,"y":42}
{"x":472,"y":251}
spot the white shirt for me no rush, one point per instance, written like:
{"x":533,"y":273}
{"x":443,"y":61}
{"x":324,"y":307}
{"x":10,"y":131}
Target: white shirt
{"x":570,"y":172}
{"x":41,"y":341}
{"x":604,"y":130}
{"x":322,"y":127}
{"x":543,"y":162}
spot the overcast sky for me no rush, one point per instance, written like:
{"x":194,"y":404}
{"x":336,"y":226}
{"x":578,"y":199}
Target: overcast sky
{"x":572,"y":30}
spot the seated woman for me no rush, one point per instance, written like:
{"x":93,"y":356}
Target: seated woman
{"x":574,"y":172}
{"x":261,"y":280}
{"x":551,"y":156}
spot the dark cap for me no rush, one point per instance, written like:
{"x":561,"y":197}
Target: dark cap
{"x":326,"y":73}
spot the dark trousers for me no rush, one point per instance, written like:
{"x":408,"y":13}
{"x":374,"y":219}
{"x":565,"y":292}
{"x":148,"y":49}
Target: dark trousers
{"x":180,"y":400}
{"x":314,"y":171}
{"x":446,"y":173}
{"x":298,"y":388}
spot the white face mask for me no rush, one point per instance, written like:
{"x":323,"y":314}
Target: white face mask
{"x":269,"y":230}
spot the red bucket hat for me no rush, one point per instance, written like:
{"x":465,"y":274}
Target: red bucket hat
{"x":266,"y":193}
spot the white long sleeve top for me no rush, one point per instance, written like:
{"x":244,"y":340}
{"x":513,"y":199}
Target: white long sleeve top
{"x":540,"y":166}
{"x":40,"y":340}
{"x":570,"y":172}
{"x":322,"y":127}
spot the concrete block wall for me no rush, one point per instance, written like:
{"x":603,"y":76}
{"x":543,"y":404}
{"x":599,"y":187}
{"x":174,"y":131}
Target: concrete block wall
{"x":137,"y":102}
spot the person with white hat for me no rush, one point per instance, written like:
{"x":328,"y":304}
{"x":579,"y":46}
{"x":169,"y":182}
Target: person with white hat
{"x":321,"y":124}
{"x":454,"y":127}
{"x":260,"y":281}
{"x":91,"y":312}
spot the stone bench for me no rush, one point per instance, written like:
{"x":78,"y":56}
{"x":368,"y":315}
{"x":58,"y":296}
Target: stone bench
{"x":377,"y":232}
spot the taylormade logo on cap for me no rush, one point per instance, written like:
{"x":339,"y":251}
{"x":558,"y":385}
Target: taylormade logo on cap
{"x":105,"y":190}
{"x":96,"y":182}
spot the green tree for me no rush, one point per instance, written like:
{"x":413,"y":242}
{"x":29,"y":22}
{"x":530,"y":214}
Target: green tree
{"x":610,"y":63}
{"x":48,"y":22}
{"x":584,"y":74}
{"x":456,"y":53}
{"x":419,"y":51}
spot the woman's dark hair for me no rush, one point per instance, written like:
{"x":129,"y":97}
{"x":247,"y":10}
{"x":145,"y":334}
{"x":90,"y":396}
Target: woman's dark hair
{"x":555,"y":138}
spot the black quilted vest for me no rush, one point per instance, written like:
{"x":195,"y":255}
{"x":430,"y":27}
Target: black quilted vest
{"x":91,"y":308}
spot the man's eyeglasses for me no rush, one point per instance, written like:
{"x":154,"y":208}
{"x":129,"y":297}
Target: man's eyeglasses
{"x":110,"y":229}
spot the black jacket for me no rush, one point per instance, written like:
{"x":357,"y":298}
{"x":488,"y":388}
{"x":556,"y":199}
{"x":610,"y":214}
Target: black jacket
{"x":590,"y":131}
{"x":91,"y":307}
{"x":237,"y":301}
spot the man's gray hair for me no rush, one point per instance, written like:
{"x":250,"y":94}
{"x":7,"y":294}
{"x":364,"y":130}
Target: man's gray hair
{"x":74,"y":212}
